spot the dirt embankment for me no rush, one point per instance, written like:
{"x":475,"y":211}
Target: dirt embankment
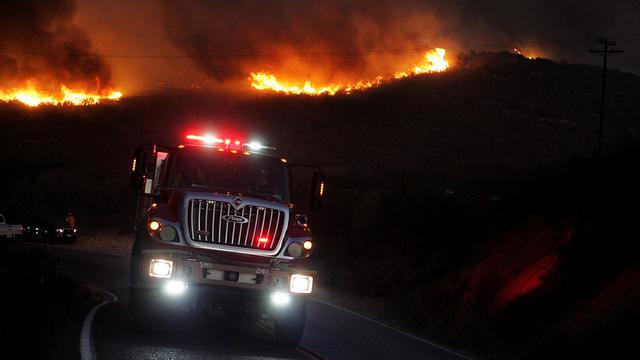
{"x":547,"y":270}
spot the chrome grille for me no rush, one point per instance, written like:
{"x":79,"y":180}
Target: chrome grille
{"x":206,"y":223}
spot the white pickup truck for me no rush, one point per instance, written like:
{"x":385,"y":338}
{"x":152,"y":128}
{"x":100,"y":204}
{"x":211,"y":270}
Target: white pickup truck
{"x":9,"y":231}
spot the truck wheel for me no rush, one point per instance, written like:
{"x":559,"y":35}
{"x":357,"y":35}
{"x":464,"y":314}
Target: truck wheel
{"x":289,"y":323}
{"x":143,"y":310}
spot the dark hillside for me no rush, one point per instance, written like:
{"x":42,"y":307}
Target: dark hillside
{"x":468,"y":197}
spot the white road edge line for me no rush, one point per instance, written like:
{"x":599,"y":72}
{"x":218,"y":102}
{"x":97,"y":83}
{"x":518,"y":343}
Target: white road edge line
{"x":87,"y":351}
{"x":392,"y":328}
{"x":86,"y":346}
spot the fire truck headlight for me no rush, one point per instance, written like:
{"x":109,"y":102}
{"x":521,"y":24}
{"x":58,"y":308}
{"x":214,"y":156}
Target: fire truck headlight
{"x":160,"y":268}
{"x":174,"y":288}
{"x":154,"y":225}
{"x":294,"y":249}
{"x":168,"y":233}
{"x":280,"y":299}
{"x":301,"y":284}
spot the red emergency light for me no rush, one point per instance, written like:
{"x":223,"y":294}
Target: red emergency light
{"x":207,"y":139}
{"x":263,"y":241}
{"x":228,"y":144}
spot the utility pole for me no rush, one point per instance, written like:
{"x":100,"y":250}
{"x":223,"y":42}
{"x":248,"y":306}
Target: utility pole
{"x":605,"y":52}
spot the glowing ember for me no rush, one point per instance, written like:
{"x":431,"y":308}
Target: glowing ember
{"x":433,"y":61}
{"x":32,"y":96}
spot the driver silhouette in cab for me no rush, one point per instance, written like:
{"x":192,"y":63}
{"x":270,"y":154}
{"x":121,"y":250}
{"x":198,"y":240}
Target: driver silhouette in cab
{"x":263,"y":185}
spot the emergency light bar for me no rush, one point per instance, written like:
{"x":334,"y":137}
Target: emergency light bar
{"x":209,"y":140}
{"x":227,"y":144}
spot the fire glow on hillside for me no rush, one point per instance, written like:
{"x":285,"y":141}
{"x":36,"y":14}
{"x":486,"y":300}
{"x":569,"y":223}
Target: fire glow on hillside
{"x":32,"y":95}
{"x":433,"y":61}
{"x":520,"y":52}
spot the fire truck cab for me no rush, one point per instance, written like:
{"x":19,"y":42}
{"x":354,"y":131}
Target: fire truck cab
{"x":216,"y":229}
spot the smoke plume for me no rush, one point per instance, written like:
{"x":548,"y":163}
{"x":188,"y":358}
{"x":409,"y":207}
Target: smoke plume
{"x":38,"y":42}
{"x":325,"y":40}
{"x":333,"y":40}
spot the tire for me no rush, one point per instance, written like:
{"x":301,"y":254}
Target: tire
{"x":289,"y":323}
{"x":144,"y":311}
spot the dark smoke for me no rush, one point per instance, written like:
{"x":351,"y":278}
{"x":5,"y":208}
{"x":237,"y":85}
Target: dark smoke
{"x":229,"y":39}
{"x":558,"y":29}
{"x":39,"y":42}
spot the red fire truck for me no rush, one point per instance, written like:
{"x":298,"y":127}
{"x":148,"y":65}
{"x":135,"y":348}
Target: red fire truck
{"x":216,"y":229}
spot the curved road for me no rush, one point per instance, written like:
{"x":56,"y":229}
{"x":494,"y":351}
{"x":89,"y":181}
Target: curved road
{"x":330,"y":333}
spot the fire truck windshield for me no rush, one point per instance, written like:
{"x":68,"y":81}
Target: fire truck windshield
{"x":222,"y":171}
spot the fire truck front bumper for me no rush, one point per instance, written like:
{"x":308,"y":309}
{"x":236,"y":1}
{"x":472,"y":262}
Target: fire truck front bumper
{"x":217,"y":286}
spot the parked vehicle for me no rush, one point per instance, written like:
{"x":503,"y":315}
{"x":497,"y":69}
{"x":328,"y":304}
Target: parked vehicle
{"x":60,"y":230}
{"x":9,"y":231}
{"x":53,"y":229}
{"x":36,"y":230}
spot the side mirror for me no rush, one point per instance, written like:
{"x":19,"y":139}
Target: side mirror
{"x":138,"y":169}
{"x":317,"y":190}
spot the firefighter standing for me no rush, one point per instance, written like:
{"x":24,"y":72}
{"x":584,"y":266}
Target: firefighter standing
{"x":71,"y":220}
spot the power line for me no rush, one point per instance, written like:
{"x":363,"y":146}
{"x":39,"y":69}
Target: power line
{"x":605,"y":52}
{"x":497,"y":45}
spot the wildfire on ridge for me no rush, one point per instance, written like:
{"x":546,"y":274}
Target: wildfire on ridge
{"x":519,"y":52}
{"x":433,"y":61}
{"x":33,"y":96}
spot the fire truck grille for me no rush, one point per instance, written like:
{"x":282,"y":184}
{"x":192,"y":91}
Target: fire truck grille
{"x":252,"y":227}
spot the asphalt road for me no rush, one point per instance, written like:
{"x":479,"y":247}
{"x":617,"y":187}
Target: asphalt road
{"x":330,"y":333}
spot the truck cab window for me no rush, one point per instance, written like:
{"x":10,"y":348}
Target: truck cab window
{"x":256,"y":174}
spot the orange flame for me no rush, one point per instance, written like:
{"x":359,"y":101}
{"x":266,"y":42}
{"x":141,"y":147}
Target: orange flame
{"x":31,"y":95}
{"x":433,"y":61}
